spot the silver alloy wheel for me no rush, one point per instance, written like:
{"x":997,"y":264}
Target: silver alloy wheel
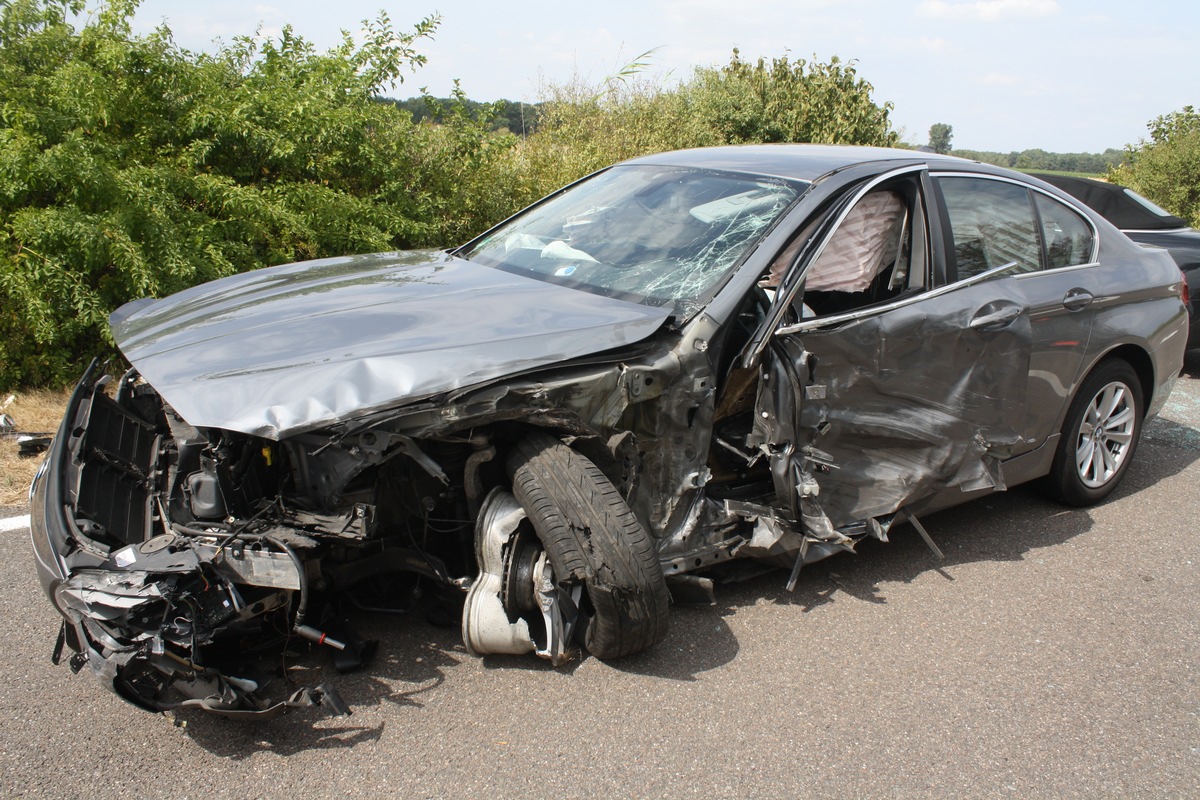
{"x":1105,"y":435}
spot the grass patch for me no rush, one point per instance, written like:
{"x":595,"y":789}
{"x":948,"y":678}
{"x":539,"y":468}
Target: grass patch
{"x":34,"y":411}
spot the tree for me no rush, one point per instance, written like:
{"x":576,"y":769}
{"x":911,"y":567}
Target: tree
{"x":940,"y":135}
{"x":789,"y":101}
{"x":130,"y":167}
{"x":1034,"y":158}
{"x":1166,"y":169}
{"x":584,"y":127}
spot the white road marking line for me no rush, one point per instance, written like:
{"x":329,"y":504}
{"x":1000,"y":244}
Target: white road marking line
{"x":14,"y":523}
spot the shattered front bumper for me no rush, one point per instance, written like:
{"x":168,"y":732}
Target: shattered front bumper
{"x":110,"y":593}
{"x":50,"y":530}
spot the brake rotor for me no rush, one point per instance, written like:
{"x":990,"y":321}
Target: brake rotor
{"x":518,"y":592}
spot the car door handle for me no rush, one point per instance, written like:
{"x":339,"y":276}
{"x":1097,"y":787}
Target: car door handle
{"x":992,"y":318}
{"x":1077,"y":299}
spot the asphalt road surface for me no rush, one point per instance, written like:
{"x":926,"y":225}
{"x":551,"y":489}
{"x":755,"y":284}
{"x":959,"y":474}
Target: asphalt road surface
{"x":1052,"y":654}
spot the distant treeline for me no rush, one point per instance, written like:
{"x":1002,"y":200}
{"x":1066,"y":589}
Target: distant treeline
{"x":1088,"y":163}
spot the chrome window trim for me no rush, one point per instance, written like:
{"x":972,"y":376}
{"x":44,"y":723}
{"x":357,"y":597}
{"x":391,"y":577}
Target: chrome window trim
{"x":1057,"y":270}
{"x":1160,"y":230}
{"x":850,"y":316}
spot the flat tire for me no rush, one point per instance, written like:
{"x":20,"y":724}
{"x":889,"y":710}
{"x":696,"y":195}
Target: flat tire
{"x":591,"y":536}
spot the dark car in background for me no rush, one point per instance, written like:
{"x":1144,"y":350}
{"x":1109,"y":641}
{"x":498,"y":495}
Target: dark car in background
{"x":1145,"y":223}
{"x":763,"y":353}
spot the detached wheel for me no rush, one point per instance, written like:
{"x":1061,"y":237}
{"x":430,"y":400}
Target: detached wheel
{"x":592,"y":537}
{"x":1099,"y":436}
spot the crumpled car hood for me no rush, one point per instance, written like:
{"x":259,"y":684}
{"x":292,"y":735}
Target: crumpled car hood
{"x":287,"y":349}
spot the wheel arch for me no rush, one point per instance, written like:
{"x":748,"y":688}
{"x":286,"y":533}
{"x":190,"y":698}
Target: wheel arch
{"x":610,"y":455}
{"x":1138,"y":359}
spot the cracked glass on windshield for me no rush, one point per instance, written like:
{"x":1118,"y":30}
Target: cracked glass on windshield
{"x":655,"y":235}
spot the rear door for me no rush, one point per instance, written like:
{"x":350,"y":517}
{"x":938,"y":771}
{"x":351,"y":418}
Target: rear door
{"x":989,"y":221}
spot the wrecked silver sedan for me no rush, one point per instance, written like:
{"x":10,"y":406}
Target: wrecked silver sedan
{"x":681,"y":361}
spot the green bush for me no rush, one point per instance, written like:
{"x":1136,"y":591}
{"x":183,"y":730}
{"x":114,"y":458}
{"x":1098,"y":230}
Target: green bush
{"x":789,"y":101}
{"x":583,"y":128}
{"x":1166,"y":169}
{"x":130,"y":167}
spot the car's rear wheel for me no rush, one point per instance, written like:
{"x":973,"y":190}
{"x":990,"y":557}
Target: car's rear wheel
{"x":591,"y":536}
{"x":1099,"y":436}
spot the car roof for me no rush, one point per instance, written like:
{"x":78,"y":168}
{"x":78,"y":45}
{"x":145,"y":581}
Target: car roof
{"x":804,"y":162}
{"x":1113,"y":203}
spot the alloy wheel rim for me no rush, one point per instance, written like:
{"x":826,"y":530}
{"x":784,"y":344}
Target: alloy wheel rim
{"x":1105,"y":435}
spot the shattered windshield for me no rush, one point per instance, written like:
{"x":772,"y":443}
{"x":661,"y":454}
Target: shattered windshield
{"x":655,"y":235}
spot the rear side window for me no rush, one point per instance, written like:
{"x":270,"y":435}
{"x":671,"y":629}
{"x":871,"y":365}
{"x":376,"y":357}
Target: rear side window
{"x":992,"y":224}
{"x":1068,"y":237}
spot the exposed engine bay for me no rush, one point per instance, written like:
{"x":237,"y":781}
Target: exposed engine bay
{"x":200,"y":541}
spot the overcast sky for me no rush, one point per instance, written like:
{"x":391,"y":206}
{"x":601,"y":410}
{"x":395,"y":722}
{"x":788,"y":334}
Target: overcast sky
{"x":1062,"y":75}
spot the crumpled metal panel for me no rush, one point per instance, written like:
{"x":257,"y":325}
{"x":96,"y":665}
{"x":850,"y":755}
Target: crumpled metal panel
{"x":282,"y":350}
{"x":896,"y":406}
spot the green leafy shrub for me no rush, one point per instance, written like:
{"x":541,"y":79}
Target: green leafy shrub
{"x":130,"y":167}
{"x":790,"y":101}
{"x":583,"y":128}
{"x":1166,"y":168}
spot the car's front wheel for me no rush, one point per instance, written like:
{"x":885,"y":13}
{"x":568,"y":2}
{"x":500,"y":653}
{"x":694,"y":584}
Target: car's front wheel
{"x":592,"y":537}
{"x":1099,"y":436}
